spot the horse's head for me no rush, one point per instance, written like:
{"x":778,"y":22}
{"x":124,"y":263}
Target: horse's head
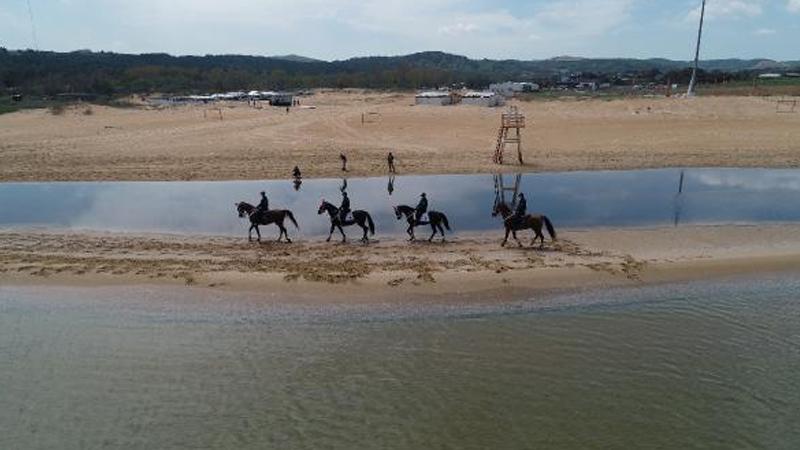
{"x":501,"y":209}
{"x":397,"y":213}
{"x":323,"y":207}
{"x":244,"y":209}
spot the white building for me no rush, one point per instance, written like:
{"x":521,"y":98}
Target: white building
{"x":438,"y":98}
{"x":486,"y":98}
{"x":509,"y":88}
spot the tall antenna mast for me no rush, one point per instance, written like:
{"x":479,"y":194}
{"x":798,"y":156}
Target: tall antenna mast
{"x":33,"y":27}
{"x":693,"y":82}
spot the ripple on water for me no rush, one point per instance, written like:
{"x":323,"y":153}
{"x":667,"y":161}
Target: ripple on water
{"x":697,"y":365}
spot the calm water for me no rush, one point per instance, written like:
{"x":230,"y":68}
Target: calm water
{"x":704,"y":365}
{"x":579,"y":199}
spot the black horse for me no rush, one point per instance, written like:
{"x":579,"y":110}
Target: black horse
{"x":361,"y":218}
{"x":435,"y":219}
{"x":514,"y":224}
{"x":258,"y":217}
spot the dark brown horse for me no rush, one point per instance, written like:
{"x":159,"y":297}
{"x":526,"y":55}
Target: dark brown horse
{"x":360,"y":218}
{"x":514,"y":224}
{"x":435,"y":219}
{"x":258,"y":217}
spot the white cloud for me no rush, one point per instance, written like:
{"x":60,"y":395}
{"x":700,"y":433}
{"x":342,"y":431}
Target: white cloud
{"x":793,"y":6}
{"x":764,"y":32}
{"x":728,"y":9}
{"x":458,"y":29}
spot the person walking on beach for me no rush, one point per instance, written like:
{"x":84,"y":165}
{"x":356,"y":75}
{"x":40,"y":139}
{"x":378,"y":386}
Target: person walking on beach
{"x":263,"y":205}
{"x":422,"y":207}
{"x":390,"y":160}
{"x":344,"y":162}
{"x":344,"y":209}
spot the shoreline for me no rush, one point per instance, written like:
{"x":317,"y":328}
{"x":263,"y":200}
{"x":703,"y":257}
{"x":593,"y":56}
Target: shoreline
{"x":471,"y":269}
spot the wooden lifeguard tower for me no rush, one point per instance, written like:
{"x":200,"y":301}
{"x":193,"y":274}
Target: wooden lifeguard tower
{"x":511,"y":122}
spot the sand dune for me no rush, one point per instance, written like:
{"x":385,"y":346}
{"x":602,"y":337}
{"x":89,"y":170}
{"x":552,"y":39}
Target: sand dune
{"x":180,"y":143}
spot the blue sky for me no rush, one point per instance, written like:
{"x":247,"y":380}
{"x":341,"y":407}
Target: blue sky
{"x":336,"y":29}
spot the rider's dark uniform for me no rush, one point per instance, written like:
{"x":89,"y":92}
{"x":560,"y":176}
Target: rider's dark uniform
{"x":422,"y":208}
{"x":264,"y":204}
{"x":522,"y":209}
{"x":345,"y":208}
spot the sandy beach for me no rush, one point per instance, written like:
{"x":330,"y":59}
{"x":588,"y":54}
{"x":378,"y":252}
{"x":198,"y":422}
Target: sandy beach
{"x":471,"y":267}
{"x":191,"y":142}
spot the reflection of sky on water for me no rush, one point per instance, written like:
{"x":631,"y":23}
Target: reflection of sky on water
{"x":580,"y":199}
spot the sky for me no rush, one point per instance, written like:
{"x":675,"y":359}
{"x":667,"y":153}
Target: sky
{"x":340,"y":29}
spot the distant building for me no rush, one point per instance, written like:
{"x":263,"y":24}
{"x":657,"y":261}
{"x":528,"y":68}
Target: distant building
{"x":281,"y":99}
{"x":483,"y":99}
{"x":510,"y":88}
{"x":769,"y":76}
{"x":437,"y":98}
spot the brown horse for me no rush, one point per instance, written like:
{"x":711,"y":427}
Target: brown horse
{"x":435,"y":219}
{"x":360,"y":218}
{"x":258,"y":217}
{"x":514,"y":224}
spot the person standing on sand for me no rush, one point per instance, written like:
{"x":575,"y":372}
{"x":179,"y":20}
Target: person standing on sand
{"x":296,"y":173}
{"x":390,"y":160}
{"x":344,"y":162}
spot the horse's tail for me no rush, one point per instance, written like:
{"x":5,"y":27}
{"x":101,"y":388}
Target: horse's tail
{"x":291,"y":217}
{"x":550,"y":228}
{"x":370,"y":223}
{"x":445,"y":222}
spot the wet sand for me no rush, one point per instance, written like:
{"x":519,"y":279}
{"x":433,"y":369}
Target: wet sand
{"x":472,"y":267}
{"x":190,"y":142}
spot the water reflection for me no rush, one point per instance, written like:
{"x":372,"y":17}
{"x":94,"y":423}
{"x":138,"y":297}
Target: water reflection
{"x":580,"y":199}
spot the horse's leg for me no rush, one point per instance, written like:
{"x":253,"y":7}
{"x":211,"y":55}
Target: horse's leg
{"x":410,"y":232}
{"x":365,"y":228}
{"x":505,"y":239}
{"x":441,"y":230}
{"x":341,"y":230}
{"x":258,"y":232}
{"x":514,"y":233}
{"x":282,"y":232}
{"x":333,"y":227}
{"x":286,"y":234}
{"x":250,"y":233}
{"x":433,"y":227}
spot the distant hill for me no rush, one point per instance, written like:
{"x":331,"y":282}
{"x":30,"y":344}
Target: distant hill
{"x":296,"y":58}
{"x":106,"y":73}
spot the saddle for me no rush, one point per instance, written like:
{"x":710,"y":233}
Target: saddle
{"x":348,"y":217}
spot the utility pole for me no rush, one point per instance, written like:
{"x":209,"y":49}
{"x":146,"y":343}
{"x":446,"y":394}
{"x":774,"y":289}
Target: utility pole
{"x":693,"y":82}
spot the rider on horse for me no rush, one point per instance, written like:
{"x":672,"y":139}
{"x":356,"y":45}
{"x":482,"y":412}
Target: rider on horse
{"x":263,"y":206}
{"x":344,"y":209}
{"x":522,"y":209}
{"x":422,"y":208}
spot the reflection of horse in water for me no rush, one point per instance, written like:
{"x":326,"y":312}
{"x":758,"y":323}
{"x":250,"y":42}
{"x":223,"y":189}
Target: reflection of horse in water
{"x":360,"y":218}
{"x":514,"y":224}
{"x":435,"y":219}
{"x":259,"y":217}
